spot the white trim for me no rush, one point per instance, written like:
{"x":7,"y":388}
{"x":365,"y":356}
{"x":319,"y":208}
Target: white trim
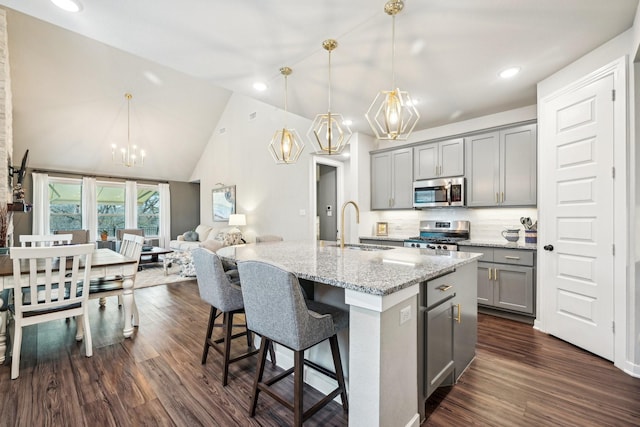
{"x":414,"y":422}
{"x":632,"y":369}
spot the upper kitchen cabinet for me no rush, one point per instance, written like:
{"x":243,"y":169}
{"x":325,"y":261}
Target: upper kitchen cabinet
{"x":501,"y":167}
{"x":392,"y":179}
{"x":439,"y":159}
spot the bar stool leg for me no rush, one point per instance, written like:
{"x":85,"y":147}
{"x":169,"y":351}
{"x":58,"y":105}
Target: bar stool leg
{"x":337,"y":363}
{"x":207,"y":338}
{"x":298,"y":388}
{"x":228,"y":329}
{"x":262,"y":357}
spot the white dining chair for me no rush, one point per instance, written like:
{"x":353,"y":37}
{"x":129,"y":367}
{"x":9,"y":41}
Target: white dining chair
{"x":131,"y":247}
{"x":52,"y":287}
{"x":45,"y":239}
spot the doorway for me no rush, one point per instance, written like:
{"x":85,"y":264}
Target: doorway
{"x":326,"y":195}
{"x":580,"y":253}
{"x":326,"y":202}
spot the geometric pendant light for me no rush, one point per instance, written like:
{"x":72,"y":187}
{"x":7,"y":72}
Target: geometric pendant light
{"x":286,"y":145}
{"x":392,"y":114}
{"x":328,"y":131}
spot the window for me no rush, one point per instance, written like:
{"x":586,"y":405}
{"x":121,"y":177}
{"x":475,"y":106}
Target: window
{"x":65,"y":204}
{"x":148,"y":209}
{"x":111,"y":211}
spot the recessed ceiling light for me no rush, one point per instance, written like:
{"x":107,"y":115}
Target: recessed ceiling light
{"x":347,"y":122}
{"x":509,"y":72}
{"x":68,"y":5}
{"x":260,"y":86}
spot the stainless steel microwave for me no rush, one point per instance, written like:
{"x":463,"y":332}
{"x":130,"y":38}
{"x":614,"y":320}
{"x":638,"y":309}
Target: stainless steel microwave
{"x":439,"y":193}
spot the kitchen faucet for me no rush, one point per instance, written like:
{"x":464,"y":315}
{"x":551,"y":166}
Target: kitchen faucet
{"x":350,"y":202}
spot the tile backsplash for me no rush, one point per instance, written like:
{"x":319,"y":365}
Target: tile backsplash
{"x":486,"y":223}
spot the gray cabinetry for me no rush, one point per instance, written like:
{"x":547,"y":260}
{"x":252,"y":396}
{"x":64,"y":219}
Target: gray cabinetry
{"x":385,"y":242}
{"x":501,"y":167}
{"x":439,"y":159}
{"x":447,"y":328}
{"x":506,"y":278}
{"x":391,"y":179}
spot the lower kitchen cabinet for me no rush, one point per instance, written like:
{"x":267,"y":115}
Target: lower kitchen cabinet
{"x":506,"y":278}
{"x":384,"y":242}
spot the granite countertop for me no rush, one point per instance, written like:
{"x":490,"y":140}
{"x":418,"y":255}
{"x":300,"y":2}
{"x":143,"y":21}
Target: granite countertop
{"x":499,"y":244}
{"x":375,"y":272}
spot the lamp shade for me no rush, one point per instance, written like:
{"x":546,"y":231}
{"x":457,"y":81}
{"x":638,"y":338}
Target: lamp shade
{"x":237,"y":219}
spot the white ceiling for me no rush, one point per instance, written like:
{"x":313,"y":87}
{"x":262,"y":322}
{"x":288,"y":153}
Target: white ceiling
{"x":448,"y":56}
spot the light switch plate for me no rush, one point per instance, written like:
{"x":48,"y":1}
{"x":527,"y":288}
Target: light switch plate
{"x":405,"y":314}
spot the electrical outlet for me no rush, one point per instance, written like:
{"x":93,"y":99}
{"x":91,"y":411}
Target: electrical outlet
{"x":405,"y":314}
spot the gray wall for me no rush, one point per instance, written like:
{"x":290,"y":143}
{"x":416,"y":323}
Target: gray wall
{"x":185,"y":207}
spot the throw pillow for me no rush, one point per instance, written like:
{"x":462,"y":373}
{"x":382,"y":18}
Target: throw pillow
{"x":191,"y":236}
{"x":211,"y":244}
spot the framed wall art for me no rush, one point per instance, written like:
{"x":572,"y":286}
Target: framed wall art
{"x":223,"y":202}
{"x":382,"y":229}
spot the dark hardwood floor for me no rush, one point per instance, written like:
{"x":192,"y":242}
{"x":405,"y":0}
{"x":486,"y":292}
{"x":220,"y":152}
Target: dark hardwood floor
{"x":519,"y":377}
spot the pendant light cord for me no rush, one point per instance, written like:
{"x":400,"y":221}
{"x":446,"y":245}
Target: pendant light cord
{"x":393,"y":52}
{"x":329,"y":103}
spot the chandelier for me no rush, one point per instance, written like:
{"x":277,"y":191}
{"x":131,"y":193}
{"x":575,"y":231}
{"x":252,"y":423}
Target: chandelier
{"x":286,"y":145}
{"x":130,"y":155}
{"x":392,"y":114}
{"x":328,"y":130}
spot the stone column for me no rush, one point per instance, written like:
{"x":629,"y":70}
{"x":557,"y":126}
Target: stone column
{"x":6,"y":113}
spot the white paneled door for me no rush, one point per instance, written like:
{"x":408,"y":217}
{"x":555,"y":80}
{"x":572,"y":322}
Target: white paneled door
{"x":576,"y":211}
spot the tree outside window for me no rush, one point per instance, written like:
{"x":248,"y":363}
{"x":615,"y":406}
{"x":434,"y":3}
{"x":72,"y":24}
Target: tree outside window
{"x":149,"y":210}
{"x":65,"y":204}
{"x":111,"y":211}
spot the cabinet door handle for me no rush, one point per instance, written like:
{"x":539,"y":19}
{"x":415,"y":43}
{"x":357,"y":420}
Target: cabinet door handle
{"x":502,"y":197}
{"x":495,"y":274}
{"x":497,"y":199}
{"x":489,"y":273}
{"x":444,"y":288}
{"x":459,"y":318}
{"x":436,"y":171}
{"x":511,"y":257}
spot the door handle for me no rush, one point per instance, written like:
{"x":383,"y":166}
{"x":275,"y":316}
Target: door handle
{"x":502,"y":197}
{"x":444,"y":288}
{"x":495,"y":274}
{"x":459,"y":317}
{"x":497,"y":200}
{"x":548,"y":248}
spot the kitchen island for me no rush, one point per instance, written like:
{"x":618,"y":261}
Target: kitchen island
{"x":380,"y":286}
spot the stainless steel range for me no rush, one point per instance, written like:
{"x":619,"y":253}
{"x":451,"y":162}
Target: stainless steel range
{"x":440,"y":235}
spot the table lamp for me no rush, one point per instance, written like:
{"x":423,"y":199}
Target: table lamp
{"x":237,"y":220}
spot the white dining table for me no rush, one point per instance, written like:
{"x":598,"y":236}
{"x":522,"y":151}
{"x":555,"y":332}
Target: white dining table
{"x":104,"y":263}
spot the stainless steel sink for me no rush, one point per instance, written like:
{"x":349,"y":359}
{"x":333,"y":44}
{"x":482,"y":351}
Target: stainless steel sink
{"x":368,"y":248}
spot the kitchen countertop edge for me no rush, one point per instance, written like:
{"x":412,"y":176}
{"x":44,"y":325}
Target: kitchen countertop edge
{"x":499,"y":244}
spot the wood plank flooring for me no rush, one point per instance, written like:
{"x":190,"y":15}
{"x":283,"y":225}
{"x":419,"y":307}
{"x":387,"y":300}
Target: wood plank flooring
{"x":520,"y":377}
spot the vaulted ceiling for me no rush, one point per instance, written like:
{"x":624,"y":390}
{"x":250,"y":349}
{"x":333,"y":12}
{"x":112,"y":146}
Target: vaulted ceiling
{"x":182,"y":60}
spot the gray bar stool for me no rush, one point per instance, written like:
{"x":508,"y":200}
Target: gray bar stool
{"x":276,"y":309}
{"x":223,"y":293}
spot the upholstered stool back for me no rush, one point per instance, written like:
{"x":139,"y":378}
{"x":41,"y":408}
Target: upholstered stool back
{"x":216,"y":287}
